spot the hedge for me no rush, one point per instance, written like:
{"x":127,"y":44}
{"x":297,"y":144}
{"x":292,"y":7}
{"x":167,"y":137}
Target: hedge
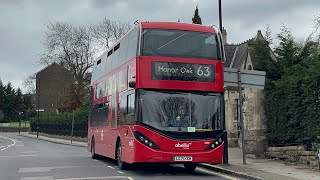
{"x":61,"y":123}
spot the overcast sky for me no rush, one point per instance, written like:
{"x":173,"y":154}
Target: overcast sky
{"x":22,"y":22}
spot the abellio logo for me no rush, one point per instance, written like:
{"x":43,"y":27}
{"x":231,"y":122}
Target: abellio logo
{"x":183,"y":145}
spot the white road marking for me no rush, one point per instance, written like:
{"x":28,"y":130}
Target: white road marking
{"x":120,"y":172}
{"x":37,"y":178}
{"x":46,"y":169}
{"x":34,"y":169}
{"x":110,"y":167}
{"x":22,"y":155}
{"x":217,"y":174}
{"x":29,"y":152}
{"x":130,"y":178}
{"x":89,"y":178}
{"x":6,"y":147}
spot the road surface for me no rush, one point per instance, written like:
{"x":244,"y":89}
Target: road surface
{"x":23,"y":158}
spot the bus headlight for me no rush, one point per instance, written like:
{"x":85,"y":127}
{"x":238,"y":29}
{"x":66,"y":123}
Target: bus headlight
{"x":145,"y":140}
{"x":141,"y":138}
{"x":215,"y":144}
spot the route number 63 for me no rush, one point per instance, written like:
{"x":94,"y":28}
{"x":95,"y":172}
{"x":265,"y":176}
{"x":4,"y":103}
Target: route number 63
{"x":203,"y":71}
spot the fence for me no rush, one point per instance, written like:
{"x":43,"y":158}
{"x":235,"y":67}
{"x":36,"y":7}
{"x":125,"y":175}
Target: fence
{"x":24,"y":124}
{"x":66,"y":124}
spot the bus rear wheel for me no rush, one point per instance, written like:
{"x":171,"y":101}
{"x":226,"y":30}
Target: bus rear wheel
{"x":93,"y":150}
{"x":190,"y":166}
{"x":122,"y":165}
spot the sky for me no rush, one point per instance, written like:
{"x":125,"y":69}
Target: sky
{"x":22,"y":22}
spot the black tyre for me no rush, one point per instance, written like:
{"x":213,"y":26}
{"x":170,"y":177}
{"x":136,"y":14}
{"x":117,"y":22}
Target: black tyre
{"x":122,"y":165}
{"x":190,"y":166}
{"x":93,"y":149}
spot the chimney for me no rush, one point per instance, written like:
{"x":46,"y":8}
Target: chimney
{"x":224,"y":36}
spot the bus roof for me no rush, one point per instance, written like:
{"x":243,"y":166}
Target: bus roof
{"x":177,"y":26}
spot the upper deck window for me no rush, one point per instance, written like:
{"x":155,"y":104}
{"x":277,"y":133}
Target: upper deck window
{"x":178,"y":43}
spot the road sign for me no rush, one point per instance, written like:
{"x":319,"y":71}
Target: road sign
{"x":248,"y":78}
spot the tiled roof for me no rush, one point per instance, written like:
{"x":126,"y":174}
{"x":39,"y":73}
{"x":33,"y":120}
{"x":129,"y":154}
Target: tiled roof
{"x":235,"y":54}
{"x":229,"y":51}
{"x":241,"y":55}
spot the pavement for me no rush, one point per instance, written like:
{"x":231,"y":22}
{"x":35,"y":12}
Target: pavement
{"x":55,"y":140}
{"x":262,"y":168}
{"x":255,"y":168}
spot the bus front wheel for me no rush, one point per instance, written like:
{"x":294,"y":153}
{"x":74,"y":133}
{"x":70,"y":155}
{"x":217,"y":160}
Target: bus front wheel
{"x":190,"y":166}
{"x":122,"y":165}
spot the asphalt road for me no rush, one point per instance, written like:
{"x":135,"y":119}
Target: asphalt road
{"x":23,"y":158}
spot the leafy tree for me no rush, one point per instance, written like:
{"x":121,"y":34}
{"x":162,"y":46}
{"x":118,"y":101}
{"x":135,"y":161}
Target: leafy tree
{"x":268,"y":35}
{"x":2,"y":98}
{"x":292,"y":94}
{"x":1,"y":116}
{"x":196,"y":18}
{"x":12,"y":103}
{"x":9,"y":105}
{"x":287,"y":52}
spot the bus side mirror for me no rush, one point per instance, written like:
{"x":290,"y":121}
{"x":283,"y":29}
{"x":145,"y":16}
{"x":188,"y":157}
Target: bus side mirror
{"x":132,"y":84}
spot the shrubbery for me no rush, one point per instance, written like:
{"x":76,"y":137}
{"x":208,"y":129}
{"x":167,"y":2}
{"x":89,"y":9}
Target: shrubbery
{"x":292,"y":93}
{"x":61,"y":124}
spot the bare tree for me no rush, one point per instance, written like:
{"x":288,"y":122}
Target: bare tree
{"x":109,"y":31}
{"x":75,"y":47}
{"x":71,"y":46}
{"x":30,"y":84}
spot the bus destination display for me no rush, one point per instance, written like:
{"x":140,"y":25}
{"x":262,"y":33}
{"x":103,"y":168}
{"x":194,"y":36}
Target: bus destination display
{"x":182,"y":71}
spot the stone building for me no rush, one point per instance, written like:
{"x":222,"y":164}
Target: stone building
{"x":242,"y":56}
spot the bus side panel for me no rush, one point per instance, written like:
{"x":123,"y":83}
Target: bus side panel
{"x":89,"y":135}
{"x":113,"y":134}
{"x":105,"y":136}
{"x":107,"y":151}
{"x":127,"y":140}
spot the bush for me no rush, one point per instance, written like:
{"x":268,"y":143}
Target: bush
{"x":61,"y":124}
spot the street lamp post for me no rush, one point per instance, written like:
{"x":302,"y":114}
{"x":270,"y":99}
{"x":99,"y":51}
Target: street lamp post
{"x":72,"y":125}
{"x":38,"y":107}
{"x":19,"y":117}
{"x":220,"y":16}
{"x":225,"y":151}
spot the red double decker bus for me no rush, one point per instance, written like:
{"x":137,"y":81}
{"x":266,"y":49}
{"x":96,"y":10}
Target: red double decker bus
{"x":157,"y":96}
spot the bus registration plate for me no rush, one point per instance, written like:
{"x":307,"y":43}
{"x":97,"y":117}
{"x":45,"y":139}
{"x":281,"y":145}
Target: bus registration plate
{"x":182,"y":158}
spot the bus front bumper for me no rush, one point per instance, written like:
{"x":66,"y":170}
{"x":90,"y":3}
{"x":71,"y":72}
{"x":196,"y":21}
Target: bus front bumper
{"x":146,"y":154}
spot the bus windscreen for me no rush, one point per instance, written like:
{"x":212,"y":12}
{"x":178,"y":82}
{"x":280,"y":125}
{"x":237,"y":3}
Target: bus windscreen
{"x":180,"y":111}
{"x":178,"y":43}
